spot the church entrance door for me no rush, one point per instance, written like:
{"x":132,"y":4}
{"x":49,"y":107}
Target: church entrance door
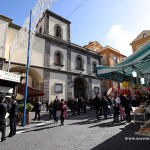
{"x":80,"y":88}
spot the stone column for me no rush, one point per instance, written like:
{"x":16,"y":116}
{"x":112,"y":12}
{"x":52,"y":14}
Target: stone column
{"x":47,"y":54}
{"x":68,"y":59}
{"x":90,"y":88}
{"x":69,"y":87}
{"x":88,"y":65}
{"x":46,"y":78}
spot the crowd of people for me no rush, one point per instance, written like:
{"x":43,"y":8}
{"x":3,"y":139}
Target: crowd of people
{"x":118,"y":105}
{"x":10,"y":106}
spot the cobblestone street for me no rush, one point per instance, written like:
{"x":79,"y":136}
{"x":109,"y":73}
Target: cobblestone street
{"x":82,"y":132}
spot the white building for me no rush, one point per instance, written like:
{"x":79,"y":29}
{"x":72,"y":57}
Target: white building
{"x":58,"y":67}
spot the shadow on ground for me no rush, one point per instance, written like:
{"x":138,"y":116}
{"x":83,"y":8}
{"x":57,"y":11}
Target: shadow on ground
{"x":119,"y":141}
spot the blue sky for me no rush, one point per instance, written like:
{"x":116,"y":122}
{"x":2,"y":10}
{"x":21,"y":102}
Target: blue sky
{"x":110,"y":22}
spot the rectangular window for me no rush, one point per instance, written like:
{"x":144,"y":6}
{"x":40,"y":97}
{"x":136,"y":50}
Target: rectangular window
{"x":96,"y":90}
{"x":144,"y":35}
{"x":115,"y":60}
{"x":58,"y":88}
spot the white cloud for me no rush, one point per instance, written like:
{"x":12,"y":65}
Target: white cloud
{"x":120,"y":38}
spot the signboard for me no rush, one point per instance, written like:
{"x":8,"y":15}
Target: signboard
{"x":9,"y":76}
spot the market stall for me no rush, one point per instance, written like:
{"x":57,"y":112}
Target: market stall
{"x":134,"y":69}
{"x":134,"y":73}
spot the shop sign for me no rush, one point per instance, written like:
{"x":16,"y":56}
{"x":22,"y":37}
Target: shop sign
{"x":9,"y":76}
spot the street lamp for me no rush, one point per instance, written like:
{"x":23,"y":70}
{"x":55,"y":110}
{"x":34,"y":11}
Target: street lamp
{"x":142,"y":81}
{"x":134,"y":73}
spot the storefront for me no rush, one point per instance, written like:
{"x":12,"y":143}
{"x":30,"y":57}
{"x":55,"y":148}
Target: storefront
{"x":134,"y":73}
{"x":9,"y":82}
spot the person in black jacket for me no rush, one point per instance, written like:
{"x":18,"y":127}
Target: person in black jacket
{"x":105,"y":106}
{"x":3,"y":111}
{"x":56,"y":103}
{"x":96,"y":105}
{"x":75,"y":106}
{"x":13,"y":116}
{"x":125,"y":102}
{"x":37,"y":109}
{"x":91,"y":103}
{"x":80,"y":101}
{"x":109,"y":106}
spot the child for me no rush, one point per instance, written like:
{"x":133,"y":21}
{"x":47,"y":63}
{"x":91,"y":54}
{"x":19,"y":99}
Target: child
{"x":122,"y":113}
{"x":116,"y":113}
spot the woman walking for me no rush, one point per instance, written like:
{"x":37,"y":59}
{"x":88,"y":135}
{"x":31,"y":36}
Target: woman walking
{"x":50,"y":109}
{"x":63,"y":109}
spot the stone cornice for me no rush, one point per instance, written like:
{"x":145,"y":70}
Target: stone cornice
{"x":4,"y":18}
{"x":60,"y":41}
{"x":14,"y":26}
{"x":54,"y":70}
{"x":143,"y":40}
{"x":58,"y":17}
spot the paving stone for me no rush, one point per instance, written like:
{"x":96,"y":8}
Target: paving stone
{"x":82,"y":132}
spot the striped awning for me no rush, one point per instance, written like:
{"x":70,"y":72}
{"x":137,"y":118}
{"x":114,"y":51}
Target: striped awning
{"x":138,"y":61}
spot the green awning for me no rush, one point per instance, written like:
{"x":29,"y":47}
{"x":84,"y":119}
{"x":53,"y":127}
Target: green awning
{"x":139,"y":61}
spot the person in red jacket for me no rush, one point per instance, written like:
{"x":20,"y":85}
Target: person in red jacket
{"x":63,"y":109}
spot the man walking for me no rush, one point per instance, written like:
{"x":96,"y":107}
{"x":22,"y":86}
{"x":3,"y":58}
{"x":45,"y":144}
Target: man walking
{"x":3,"y":110}
{"x":97,"y":104}
{"x":125,"y":102}
{"x":13,"y":116}
{"x":37,"y":109}
{"x":56,"y":109}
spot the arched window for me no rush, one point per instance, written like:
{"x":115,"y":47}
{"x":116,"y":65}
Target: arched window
{"x":58,"y":31}
{"x":58,"y":58}
{"x":40,"y":31}
{"x":94,"y":67}
{"x":79,"y":63}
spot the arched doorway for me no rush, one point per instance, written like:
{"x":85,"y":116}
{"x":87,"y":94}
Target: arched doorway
{"x":81,"y":88}
{"x":34,"y":79}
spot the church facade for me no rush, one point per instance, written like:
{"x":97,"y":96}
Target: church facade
{"x":58,"y":67}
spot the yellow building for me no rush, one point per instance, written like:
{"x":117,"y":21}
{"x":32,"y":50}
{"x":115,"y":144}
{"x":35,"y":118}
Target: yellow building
{"x":110,"y":57}
{"x":140,"y":40}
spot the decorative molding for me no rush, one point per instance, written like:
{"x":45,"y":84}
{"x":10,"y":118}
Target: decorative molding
{"x":90,"y":87}
{"x":96,"y":90}
{"x":46,"y":77}
{"x":60,"y":65}
{"x":69,"y":87}
{"x":47,"y":54}
{"x":56,"y":70}
{"x":61,"y":34}
{"x":58,"y":88}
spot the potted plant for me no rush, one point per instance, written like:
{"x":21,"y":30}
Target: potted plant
{"x":29,"y":107}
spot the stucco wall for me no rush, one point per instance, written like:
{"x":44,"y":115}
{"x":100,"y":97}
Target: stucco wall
{"x":60,"y":79}
{"x":96,"y":83}
{"x":19,"y":55}
{"x":3,"y":32}
{"x":103,"y":59}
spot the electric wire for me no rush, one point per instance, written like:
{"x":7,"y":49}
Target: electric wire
{"x":81,"y":4}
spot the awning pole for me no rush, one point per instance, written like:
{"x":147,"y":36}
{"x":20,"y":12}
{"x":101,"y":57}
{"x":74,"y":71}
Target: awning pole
{"x":27,"y":70}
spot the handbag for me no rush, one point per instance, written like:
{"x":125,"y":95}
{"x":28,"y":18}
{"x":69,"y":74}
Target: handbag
{"x":58,"y":113}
